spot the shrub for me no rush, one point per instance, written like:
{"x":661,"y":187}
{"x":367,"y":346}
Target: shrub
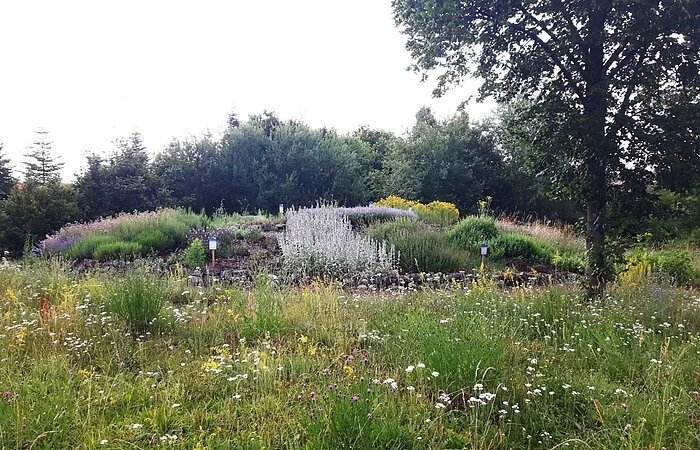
{"x":195,"y":254}
{"x":154,"y":240}
{"x":320,"y":241}
{"x":676,"y":264}
{"x":420,"y":248}
{"x":443,"y":212}
{"x":514,"y":245}
{"x":116,"y":250}
{"x":85,"y":247}
{"x":437,"y":212}
{"x":137,"y":299}
{"x":472,"y":231}
{"x":569,"y":262}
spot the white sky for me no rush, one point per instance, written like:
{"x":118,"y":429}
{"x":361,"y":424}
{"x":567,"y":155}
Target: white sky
{"x":93,"y":71}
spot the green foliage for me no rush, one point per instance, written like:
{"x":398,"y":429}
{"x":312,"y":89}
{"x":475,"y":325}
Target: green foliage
{"x":454,"y":160}
{"x":7,"y":181}
{"x":472,"y":231}
{"x":420,"y":247}
{"x":676,"y":264}
{"x":137,"y":299}
{"x":116,"y":249}
{"x":569,"y":262}
{"x":85,"y":247}
{"x":265,"y":162}
{"x":41,"y":166}
{"x":195,"y":254}
{"x":511,"y":245}
{"x":125,"y":235}
{"x":581,"y":103}
{"x":155,"y":240}
{"x":34,"y":212}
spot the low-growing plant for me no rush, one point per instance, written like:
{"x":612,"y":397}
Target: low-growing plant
{"x":420,"y":247}
{"x":569,"y":262}
{"x":437,"y":212}
{"x":512,"y":245}
{"x":85,"y":247}
{"x":137,"y":299}
{"x":562,"y":236}
{"x":195,"y":254}
{"x":320,"y":241}
{"x":117,"y":250}
{"x":154,"y":231}
{"x":154,"y":240}
{"x":472,"y":231}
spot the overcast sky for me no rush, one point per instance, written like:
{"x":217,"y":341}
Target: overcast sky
{"x":93,"y":71}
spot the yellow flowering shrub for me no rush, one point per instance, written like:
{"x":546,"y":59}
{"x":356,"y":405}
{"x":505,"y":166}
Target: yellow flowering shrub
{"x":443,"y":213}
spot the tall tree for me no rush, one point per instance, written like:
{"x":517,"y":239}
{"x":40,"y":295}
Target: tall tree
{"x":131,"y":185}
{"x":451,"y":160}
{"x":91,"y":188}
{"x":41,"y":167}
{"x":184,"y":170}
{"x":601,"y":69}
{"x":6,"y":179}
{"x":29,"y":214}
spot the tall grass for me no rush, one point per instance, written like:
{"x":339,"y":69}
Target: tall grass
{"x":562,"y":236}
{"x":137,"y":299}
{"x":420,"y":247}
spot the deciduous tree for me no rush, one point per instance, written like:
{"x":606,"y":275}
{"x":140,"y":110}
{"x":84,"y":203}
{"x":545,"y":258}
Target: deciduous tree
{"x":601,"y":72}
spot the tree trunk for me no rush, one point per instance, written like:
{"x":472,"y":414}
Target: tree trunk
{"x":595,"y":224}
{"x":596,"y":150}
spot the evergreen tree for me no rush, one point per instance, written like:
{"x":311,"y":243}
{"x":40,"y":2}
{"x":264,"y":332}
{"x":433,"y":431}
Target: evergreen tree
{"x":6,"y":179}
{"x":130,"y":184}
{"x":91,"y":189}
{"x":41,"y":167}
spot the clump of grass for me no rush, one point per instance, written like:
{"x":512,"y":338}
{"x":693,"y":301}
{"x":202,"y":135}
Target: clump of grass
{"x":471,"y":231}
{"x":137,"y":299}
{"x":420,"y":247}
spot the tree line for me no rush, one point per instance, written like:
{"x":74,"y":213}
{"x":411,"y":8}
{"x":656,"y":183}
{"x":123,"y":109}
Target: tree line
{"x":264,"y":161}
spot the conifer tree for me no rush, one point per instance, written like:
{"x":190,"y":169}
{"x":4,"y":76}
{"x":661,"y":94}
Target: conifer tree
{"x":41,"y":167}
{"x":6,"y":179}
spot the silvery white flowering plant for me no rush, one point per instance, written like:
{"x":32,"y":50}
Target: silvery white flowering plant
{"x":320,"y":241}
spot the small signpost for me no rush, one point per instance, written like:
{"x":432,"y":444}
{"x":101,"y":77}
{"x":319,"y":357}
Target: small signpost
{"x":281,"y":209}
{"x":212,"y":247}
{"x":370,"y":204}
{"x":484,"y":253}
